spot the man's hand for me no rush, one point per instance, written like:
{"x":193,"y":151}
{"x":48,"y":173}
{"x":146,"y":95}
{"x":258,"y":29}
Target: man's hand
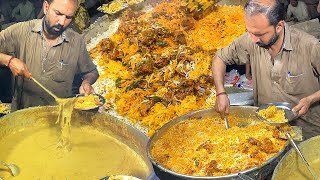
{"x":19,"y":68}
{"x":302,"y":107}
{"x":86,"y":88}
{"x":222,"y":105}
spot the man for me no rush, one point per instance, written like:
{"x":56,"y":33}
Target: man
{"x":298,"y":10}
{"x":284,"y":64}
{"x":50,"y":51}
{"x":24,"y":11}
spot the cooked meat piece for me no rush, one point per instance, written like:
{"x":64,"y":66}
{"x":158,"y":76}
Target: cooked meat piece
{"x":162,"y":62}
{"x":205,"y":79}
{"x":145,"y":107}
{"x":113,"y":54}
{"x":212,"y":167}
{"x":188,"y":82}
{"x":181,"y":39}
{"x":187,"y":24}
{"x":254,"y":141}
{"x":144,"y":68}
{"x":267,"y":146}
{"x":199,"y":91}
{"x":162,"y":159}
{"x":182,"y":57}
{"x":276,"y":133}
{"x":207,"y":146}
{"x":180,"y":95}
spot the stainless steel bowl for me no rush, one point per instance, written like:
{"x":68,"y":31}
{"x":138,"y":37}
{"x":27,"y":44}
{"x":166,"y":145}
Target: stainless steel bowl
{"x":239,"y":111}
{"x":291,"y":162}
{"x":287,"y":107}
{"x":112,"y":126}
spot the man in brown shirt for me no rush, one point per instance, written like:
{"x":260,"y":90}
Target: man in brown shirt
{"x":285,"y":64}
{"x":48,"y":50}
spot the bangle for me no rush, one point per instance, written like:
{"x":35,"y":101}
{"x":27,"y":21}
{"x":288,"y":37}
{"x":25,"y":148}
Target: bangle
{"x":10,"y":61}
{"x":221,"y":93}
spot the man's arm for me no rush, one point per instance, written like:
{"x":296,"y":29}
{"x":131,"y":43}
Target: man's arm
{"x":303,"y":106}
{"x":222,"y":103}
{"x":17,"y":67}
{"x":88,"y":79}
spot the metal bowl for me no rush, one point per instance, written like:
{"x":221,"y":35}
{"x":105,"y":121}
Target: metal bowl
{"x":292,"y":163}
{"x":240,"y":111}
{"x":94,"y":108}
{"x":287,"y":107}
{"x":47,"y":115}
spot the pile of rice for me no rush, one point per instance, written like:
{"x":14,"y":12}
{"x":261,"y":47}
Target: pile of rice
{"x":215,"y":30}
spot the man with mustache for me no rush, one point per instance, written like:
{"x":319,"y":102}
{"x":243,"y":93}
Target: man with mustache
{"x":50,"y":52}
{"x":285,"y":64}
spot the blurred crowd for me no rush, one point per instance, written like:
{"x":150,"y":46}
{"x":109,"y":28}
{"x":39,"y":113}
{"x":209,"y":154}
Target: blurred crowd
{"x":301,"y":10}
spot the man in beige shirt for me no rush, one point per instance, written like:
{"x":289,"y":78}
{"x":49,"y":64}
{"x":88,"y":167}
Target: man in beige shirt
{"x":48,"y":51}
{"x":284,"y":63}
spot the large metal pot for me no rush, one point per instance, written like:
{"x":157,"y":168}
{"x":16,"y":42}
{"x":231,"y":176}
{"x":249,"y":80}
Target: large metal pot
{"x":240,"y":111}
{"x":292,"y":163}
{"x":46,"y":117}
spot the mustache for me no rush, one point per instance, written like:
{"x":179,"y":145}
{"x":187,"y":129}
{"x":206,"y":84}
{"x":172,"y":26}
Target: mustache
{"x":59,"y":26}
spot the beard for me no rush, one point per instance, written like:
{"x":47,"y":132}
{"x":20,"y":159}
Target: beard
{"x":270,"y":43}
{"x":51,"y":29}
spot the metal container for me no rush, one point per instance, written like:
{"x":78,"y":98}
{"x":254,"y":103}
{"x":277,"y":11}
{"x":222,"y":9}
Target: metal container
{"x":239,"y":111}
{"x":291,"y":162}
{"x":42,"y":116}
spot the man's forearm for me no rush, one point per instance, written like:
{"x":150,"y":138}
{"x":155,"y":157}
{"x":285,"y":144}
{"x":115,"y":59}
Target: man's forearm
{"x":218,"y":72}
{"x":4,"y":59}
{"x":91,"y":77}
{"x":315,"y":97}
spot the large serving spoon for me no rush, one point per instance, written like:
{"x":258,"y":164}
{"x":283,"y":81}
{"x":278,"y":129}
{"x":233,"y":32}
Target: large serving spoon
{"x":47,"y":90}
{"x":225,"y":118}
{"x":312,"y":172}
{"x":15,"y":170}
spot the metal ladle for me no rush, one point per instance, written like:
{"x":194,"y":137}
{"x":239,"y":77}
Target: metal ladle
{"x":15,"y":170}
{"x":313,"y":173}
{"x":226,"y":121}
{"x":44,"y":88}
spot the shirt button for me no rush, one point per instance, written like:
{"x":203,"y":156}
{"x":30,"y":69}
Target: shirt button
{"x":44,"y":70}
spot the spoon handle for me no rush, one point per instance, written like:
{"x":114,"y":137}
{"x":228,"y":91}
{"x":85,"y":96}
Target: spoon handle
{"x":3,"y":163}
{"x":226,"y":121}
{"x":315,"y":176}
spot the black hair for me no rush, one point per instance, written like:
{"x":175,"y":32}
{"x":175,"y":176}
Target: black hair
{"x":275,"y":13}
{"x":50,"y":1}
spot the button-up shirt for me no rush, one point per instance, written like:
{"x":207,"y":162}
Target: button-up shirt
{"x":292,"y":75}
{"x":55,"y":67}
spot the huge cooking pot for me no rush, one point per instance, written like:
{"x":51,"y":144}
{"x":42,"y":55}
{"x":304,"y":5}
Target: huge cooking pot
{"x":239,"y":111}
{"x":22,"y":120}
{"x":291,"y":165}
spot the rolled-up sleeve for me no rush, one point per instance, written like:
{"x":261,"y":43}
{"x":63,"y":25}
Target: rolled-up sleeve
{"x":237,"y":51}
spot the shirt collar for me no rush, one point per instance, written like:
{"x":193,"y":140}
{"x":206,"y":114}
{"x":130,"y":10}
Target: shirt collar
{"x":287,"y":38}
{"x":38,"y":29}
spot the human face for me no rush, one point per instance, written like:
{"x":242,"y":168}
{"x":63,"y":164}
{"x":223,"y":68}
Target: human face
{"x":261,"y":32}
{"x":58,"y":16}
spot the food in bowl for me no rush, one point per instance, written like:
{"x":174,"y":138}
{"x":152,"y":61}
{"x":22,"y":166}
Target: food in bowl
{"x":4,"y":108}
{"x":203,"y":147}
{"x":90,"y":101}
{"x":273,"y":114}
